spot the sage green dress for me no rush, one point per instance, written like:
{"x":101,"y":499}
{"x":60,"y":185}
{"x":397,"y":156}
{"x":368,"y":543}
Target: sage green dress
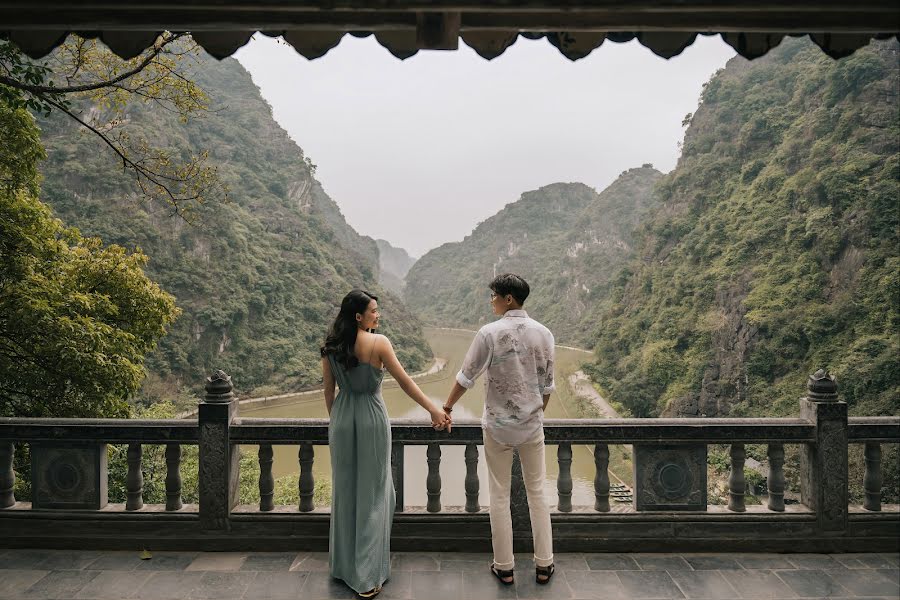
{"x":362,"y":489}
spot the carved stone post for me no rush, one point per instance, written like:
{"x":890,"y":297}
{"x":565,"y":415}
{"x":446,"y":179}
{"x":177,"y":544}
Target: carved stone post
{"x":7,"y":475}
{"x":433,"y":480}
{"x":775,"y":479}
{"x":601,"y":478}
{"x":872,"y":479}
{"x":266,"y":479}
{"x":823,"y":464}
{"x":472,"y":482}
{"x":134,"y":480}
{"x":307,"y":483}
{"x":173,"y":477}
{"x":564,"y":481}
{"x":219,"y":459}
{"x":737,"y":484}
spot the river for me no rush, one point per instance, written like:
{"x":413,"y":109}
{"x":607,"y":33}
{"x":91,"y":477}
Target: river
{"x":451,"y":344}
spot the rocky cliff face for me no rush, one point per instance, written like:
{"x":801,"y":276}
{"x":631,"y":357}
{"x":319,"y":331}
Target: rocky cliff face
{"x":394,"y":264}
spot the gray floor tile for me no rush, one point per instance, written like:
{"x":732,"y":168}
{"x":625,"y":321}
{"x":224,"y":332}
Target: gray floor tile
{"x":412,"y":561}
{"x":26,"y":559}
{"x":649,"y":584}
{"x":611,"y":562}
{"x":661,"y":562}
{"x":812,"y":583}
{"x":591,"y":585}
{"x":14,"y":582}
{"x":168,"y":585}
{"x":862,"y":561}
{"x":114,"y":585}
{"x":570,"y":562}
{"x":116,"y":561}
{"x":167,"y":561}
{"x":865,"y":582}
{"x":893,"y":574}
{"x":437,"y":585}
{"x":313,"y":561}
{"x":703,"y":584}
{"x":398,"y":587}
{"x":527,"y":587}
{"x":217,"y":561}
{"x":60,"y":584}
{"x":892,"y":557}
{"x":470,"y":565}
{"x":484,"y":586}
{"x":222,"y":585}
{"x":764,"y":561}
{"x":322,"y":586}
{"x":713,"y":562}
{"x":69,"y":560}
{"x":813,"y":561}
{"x":758,"y":584}
{"x":276,"y":585}
{"x":270,"y":561}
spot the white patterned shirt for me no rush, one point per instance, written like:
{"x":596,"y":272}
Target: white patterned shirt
{"x":518,"y":354}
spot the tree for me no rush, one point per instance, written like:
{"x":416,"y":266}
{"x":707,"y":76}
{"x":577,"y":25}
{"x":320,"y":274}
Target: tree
{"x":83,"y":73}
{"x":76,"y":317}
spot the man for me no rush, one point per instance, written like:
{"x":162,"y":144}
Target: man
{"x":517,"y":352}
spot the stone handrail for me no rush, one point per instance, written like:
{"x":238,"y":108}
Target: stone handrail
{"x":670,"y":506}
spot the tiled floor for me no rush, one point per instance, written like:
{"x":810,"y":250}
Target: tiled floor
{"x":89,"y":575}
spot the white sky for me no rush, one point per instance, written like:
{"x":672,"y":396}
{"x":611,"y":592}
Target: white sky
{"x":419,"y":151}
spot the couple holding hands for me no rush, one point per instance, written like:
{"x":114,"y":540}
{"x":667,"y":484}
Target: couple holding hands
{"x":516,"y":351}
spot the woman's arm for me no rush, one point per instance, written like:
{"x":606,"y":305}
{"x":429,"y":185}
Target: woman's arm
{"x":327,"y":383}
{"x":385,"y":352}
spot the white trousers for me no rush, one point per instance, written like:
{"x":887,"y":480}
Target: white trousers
{"x":499,"y":462}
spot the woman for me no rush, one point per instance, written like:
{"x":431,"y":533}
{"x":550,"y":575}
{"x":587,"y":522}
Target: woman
{"x":359,"y":437}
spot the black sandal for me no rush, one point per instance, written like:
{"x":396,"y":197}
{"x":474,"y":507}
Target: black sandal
{"x":544,"y":572}
{"x":502,"y":575}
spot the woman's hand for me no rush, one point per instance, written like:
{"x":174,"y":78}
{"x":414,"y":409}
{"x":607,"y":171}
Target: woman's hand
{"x":440,"y":420}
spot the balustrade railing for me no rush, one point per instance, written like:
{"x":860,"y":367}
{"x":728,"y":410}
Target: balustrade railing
{"x":69,"y":462}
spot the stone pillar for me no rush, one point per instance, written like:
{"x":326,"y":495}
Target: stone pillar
{"x":219,"y":460}
{"x":823,"y":464}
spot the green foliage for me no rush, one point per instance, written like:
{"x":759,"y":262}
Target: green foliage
{"x":566,"y":240}
{"x":258,"y":278}
{"x":76,"y":317}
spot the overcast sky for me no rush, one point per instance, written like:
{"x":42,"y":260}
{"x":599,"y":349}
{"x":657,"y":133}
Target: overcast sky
{"x":419,"y":151}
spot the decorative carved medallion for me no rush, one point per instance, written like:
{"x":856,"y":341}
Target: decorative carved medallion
{"x":69,"y":476}
{"x":670,"y":477}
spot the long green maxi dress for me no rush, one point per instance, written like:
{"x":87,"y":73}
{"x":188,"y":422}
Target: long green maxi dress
{"x":362,"y":489}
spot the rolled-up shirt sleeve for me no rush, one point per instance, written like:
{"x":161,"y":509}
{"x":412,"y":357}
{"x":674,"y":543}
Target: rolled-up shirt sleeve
{"x":476,"y":361}
{"x":547,"y":383}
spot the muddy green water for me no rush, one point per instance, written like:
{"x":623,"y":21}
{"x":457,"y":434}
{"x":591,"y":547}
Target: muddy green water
{"x":451,"y":345}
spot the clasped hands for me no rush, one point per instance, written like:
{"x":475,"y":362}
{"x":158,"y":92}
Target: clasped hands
{"x":440,"y":419}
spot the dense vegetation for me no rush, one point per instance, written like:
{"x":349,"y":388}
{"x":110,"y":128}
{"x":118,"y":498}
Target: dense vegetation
{"x":775,"y":252}
{"x":258,"y":278}
{"x":565,"y":239}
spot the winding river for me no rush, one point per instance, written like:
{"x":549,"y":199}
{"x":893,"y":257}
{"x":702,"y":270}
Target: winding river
{"x":451,"y":344}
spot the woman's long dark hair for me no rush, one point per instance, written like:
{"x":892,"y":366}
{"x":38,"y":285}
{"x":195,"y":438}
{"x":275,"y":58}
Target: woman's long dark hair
{"x":341,"y":338}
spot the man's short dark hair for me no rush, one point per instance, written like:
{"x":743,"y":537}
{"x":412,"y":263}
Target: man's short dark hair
{"x":509,"y":283}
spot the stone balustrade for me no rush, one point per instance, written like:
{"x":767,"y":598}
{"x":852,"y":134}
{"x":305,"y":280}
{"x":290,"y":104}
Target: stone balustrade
{"x":69,"y":506}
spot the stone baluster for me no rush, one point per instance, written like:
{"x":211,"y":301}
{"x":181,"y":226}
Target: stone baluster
{"x":134,"y":481}
{"x":7,"y":475}
{"x":472,"y":482}
{"x":601,"y":478}
{"x":307,"y":483}
{"x":737,"y":485}
{"x":564,"y":481}
{"x":872,"y":479}
{"x":173,"y":477}
{"x":775,"y":479}
{"x":219,"y":458}
{"x":433,"y":481}
{"x":397,"y":456}
{"x":823,"y":463}
{"x":266,"y":479}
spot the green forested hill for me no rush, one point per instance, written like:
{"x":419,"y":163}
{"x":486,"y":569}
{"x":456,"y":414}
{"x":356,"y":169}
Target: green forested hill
{"x":258,"y":278}
{"x":775,"y":250}
{"x":566,"y":240}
